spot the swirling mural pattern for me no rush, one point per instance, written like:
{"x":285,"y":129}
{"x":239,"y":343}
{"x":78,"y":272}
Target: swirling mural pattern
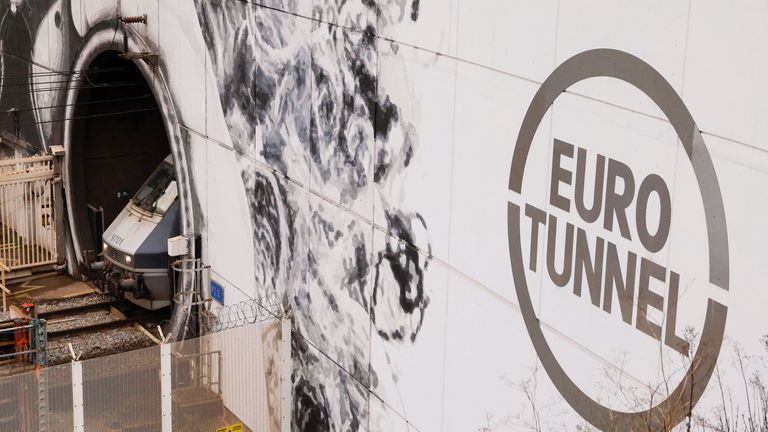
{"x":304,"y":108}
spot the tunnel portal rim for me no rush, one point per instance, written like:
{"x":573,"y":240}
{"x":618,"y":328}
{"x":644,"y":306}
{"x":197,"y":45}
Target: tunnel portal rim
{"x":101,"y":39}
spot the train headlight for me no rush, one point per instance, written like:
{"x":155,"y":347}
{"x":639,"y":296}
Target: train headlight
{"x":104,"y":245}
{"x":128,"y":259}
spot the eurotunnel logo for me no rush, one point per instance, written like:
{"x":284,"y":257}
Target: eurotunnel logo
{"x":611,"y":209}
{"x":603,"y":267}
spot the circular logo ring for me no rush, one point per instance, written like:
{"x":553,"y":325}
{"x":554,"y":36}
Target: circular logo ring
{"x":626,"y":67}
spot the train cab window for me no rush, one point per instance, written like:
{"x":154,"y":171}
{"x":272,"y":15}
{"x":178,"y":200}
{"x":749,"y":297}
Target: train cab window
{"x":159,"y":191}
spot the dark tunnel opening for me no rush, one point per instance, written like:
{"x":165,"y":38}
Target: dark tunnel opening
{"x":118,"y":138}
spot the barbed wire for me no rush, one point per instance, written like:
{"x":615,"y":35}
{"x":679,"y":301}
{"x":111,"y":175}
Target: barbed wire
{"x":240,"y":314}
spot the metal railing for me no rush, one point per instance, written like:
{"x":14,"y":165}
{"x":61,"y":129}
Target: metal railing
{"x":3,"y":270}
{"x":27,"y":228}
{"x":23,"y":342}
{"x":240,"y":376}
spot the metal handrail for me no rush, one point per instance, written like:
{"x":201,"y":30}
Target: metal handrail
{"x":30,"y":159}
{"x":3,"y":269}
{"x":28,"y":220}
{"x":15,"y":329}
{"x":19,"y":353}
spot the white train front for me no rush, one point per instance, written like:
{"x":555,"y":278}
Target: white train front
{"x":136,"y":243}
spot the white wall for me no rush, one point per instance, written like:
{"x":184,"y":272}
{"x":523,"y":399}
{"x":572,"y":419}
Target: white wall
{"x":286,"y":104}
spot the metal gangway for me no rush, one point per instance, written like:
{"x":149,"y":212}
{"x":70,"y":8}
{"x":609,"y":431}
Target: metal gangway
{"x":27,"y":217}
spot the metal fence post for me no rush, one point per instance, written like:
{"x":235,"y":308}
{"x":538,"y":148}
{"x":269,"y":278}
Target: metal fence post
{"x":58,"y":203}
{"x":41,"y":360}
{"x":285,"y":373}
{"x":166,"y":387}
{"x":78,"y":411}
{"x":42,"y":398}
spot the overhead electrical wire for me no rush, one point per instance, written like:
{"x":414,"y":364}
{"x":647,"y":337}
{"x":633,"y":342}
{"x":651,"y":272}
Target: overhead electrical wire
{"x":44,"y":82}
{"x":5,"y":125}
{"x":128,"y":98}
{"x":73,"y":72}
{"x":90,"y":116}
{"x":25,"y":80}
{"x":54,"y":81}
{"x":53,"y":89}
{"x":50,"y":80}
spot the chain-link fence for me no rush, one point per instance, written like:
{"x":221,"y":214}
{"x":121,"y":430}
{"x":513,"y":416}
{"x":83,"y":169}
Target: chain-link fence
{"x":237,"y":376}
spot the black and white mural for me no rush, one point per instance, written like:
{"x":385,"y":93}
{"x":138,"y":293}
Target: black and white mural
{"x":351,"y":158}
{"x":303,"y":98}
{"x":31,"y":92}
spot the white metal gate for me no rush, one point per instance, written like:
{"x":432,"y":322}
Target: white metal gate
{"x":27,"y":227}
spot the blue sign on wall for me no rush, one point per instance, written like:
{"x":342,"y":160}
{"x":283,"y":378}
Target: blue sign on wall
{"x":217,"y":292}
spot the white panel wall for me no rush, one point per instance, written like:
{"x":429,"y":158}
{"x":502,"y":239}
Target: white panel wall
{"x":724,"y":69}
{"x":354,"y":160}
{"x":425,"y":82}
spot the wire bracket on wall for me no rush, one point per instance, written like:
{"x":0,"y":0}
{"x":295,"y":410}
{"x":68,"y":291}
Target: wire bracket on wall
{"x":151,"y":58}
{"x":137,"y":19}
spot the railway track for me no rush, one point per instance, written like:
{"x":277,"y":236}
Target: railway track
{"x":95,"y":317}
{"x":96,"y":325}
{"x":105,"y":325}
{"x":76,"y":310}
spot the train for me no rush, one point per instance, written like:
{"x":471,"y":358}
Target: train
{"x":135,"y":245}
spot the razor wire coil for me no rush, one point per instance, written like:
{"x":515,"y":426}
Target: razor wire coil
{"x":251,"y":311}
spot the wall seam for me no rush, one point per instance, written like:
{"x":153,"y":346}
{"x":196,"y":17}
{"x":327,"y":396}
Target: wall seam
{"x":541,"y":250}
{"x":457,"y":4}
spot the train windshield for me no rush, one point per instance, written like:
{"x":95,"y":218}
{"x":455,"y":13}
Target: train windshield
{"x":159,"y":192}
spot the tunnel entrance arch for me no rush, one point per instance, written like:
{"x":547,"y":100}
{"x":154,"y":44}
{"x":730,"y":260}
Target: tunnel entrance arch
{"x":117,"y":139}
{"x":120,"y":123}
